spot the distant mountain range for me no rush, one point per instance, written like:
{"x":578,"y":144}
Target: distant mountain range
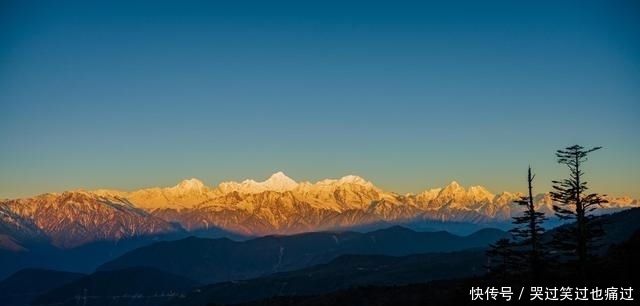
{"x":162,"y":271}
{"x":278,"y":205}
{"x":167,"y":271}
{"x":213,"y":260}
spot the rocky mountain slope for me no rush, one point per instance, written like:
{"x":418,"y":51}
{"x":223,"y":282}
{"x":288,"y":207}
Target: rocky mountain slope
{"x":74,"y":218}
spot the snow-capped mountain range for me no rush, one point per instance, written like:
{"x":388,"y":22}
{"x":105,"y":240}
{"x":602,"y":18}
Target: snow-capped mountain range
{"x":278,"y":205}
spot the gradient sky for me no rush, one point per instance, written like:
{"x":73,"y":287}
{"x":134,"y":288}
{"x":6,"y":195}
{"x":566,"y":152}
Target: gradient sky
{"x":410,"y":96}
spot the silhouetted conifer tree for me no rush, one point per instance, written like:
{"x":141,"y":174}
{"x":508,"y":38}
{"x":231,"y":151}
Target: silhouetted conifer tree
{"x":577,"y":239}
{"x":528,"y":231}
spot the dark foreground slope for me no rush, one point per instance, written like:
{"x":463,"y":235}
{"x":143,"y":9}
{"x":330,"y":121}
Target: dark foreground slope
{"x":24,"y":286}
{"x":344,"y":272}
{"x":134,"y":286}
{"x":215,"y":260}
{"x":619,"y":269}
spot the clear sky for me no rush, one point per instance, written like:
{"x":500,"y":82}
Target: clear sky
{"x":125,"y":94}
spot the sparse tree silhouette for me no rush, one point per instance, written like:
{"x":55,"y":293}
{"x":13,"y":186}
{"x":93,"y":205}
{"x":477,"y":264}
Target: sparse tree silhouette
{"x":577,"y":239}
{"x":528,"y":231}
{"x":502,"y":260}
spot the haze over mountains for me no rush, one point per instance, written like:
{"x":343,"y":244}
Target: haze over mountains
{"x":278,"y":205}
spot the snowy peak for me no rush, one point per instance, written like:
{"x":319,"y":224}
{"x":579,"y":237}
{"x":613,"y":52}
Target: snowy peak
{"x":348,"y":179}
{"x":452,"y":190}
{"x":279,"y":182}
{"x":480,"y":193}
{"x":279,"y":176}
{"x":354,"y":179}
{"x":246,"y":186}
{"x":191,"y":184}
{"x":455,"y":193}
{"x":453,"y":186}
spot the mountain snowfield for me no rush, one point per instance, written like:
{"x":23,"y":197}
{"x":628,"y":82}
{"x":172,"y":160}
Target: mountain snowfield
{"x":278,"y":205}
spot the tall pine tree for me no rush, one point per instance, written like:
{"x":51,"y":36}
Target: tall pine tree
{"x":528,"y":232}
{"x":578,"y":239}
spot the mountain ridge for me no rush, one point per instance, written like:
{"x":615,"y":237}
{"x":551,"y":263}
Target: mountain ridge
{"x":277,"y":205}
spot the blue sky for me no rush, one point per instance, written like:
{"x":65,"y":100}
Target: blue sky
{"x":110,"y":94}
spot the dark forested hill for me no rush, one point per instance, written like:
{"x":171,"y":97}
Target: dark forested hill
{"x":213,"y":260}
